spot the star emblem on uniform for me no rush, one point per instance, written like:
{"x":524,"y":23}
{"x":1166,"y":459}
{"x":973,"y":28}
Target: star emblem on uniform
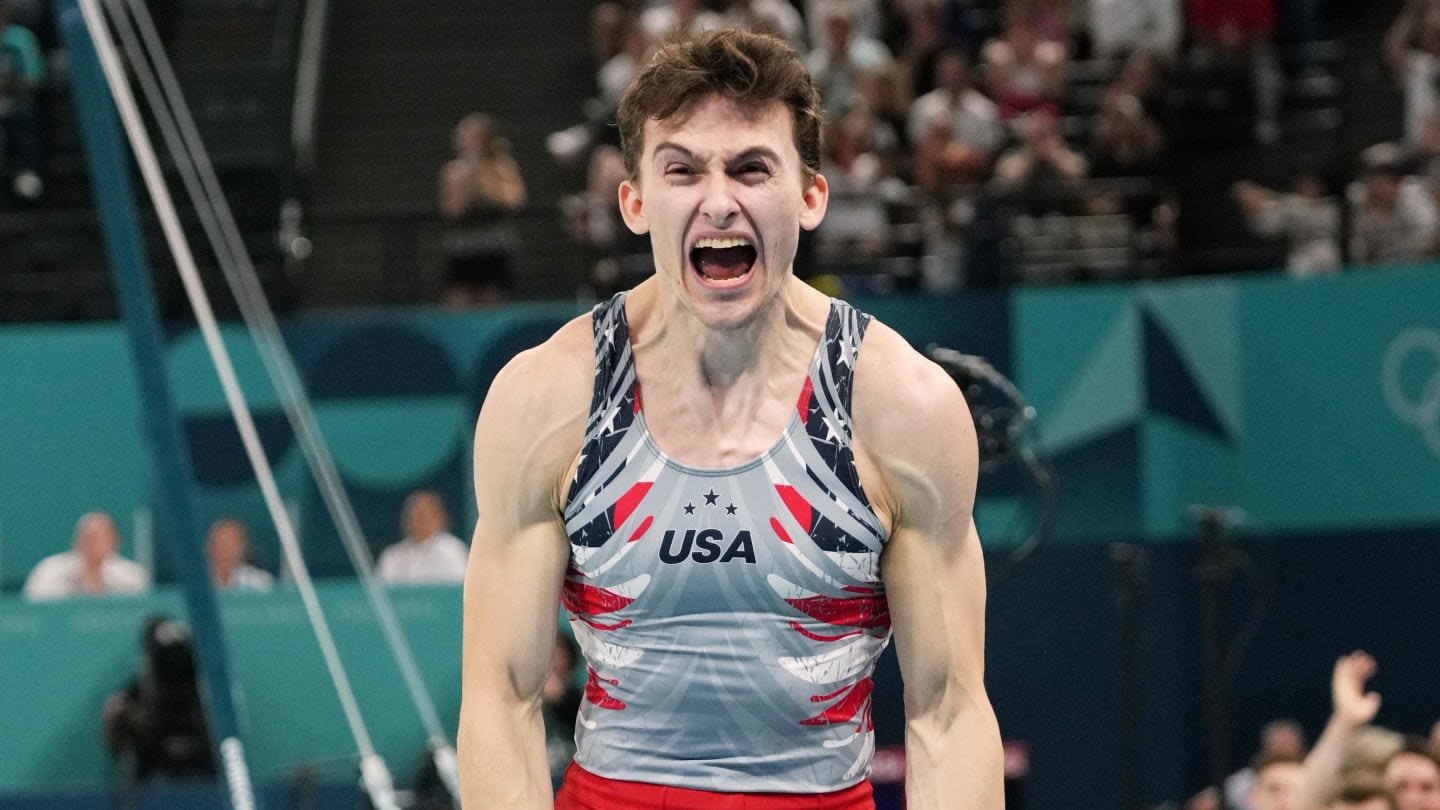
{"x":689,"y":508}
{"x":730,"y":510}
{"x":710,"y":498}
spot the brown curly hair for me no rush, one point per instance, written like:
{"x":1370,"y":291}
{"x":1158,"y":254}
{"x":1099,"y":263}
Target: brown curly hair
{"x":747,"y":68}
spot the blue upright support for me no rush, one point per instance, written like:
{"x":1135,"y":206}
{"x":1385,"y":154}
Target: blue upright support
{"x":109,"y":164}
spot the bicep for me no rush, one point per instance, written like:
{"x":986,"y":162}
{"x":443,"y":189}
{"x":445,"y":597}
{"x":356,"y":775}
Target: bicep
{"x":935,"y":585}
{"x":512,"y":596}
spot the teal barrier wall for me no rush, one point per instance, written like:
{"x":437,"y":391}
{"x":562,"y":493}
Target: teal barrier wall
{"x":1260,"y":392}
{"x":62,"y":659}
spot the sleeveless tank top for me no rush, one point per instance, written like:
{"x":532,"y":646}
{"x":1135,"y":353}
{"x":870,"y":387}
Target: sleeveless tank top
{"x":730,"y":618}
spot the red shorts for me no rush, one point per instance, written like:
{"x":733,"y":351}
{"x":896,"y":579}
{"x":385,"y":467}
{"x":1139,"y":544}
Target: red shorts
{"x":583,"y":790}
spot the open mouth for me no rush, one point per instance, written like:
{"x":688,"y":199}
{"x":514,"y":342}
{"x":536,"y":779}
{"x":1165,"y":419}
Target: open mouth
{"x":723,"y":259}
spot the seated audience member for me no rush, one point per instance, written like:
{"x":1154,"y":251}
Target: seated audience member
{"x":1280,"y":741}
{"x":1126,"y":26}
{"x":429,"y":552}
{"x":839,"y":59}
{"x":855,"y":220}
{"x":21,"y":69}
{"x":1308,"y":217}
{"x":92,"y":567}
{"x":669,"y":17}
{"x":974,"y":119}
{"x":1025,"y":70}
{"x":1393,"y":218}
{"x":1124,"y":141}
{"x":1042,"y":165}
{"x":227,"y":546}
{"x":776,"y":17}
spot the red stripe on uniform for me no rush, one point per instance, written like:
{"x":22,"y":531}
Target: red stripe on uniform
{"x":780,"y":530}
{"x":625,"y":507}
{"x":807,"y":392}
{"x":796,"y":503}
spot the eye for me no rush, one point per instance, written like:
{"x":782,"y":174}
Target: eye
{"x":678,"y":170}
{"x":751,"y":172}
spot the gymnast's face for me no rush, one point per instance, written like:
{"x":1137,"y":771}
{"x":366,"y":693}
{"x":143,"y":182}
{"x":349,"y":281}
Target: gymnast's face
{"x":723,"y":193}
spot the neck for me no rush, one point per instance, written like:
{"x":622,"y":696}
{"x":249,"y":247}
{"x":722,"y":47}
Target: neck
{"x":723,"y":358}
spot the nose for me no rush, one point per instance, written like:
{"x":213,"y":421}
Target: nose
{"x":718,"y":205}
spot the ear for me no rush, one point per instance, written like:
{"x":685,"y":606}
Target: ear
{"x":813,"y":202}
{"x":632,"y":208}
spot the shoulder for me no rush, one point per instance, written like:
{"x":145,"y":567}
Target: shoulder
{"x":532,"y":423}
{"x":896,"y":385}
{"x":911,"y":421}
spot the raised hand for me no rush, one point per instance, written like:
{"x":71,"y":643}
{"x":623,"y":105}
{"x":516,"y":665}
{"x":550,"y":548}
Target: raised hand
{"x":1350,"y":702}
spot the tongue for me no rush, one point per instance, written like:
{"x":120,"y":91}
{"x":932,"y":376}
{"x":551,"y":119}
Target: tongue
{"x":724,"y":263}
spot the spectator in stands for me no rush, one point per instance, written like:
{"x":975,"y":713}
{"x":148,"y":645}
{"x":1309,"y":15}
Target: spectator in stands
{"x":618,"y":71}
{"x":608,"y":22}
{"x":671,"y":16}
{"x":1042,"y":167}
{"x":1350,"y":750}
{"x":1412,"y":776}
{"x":429,"y":553}
{"x":855,"y":223}
{"x":975,"y":129}
{"x":1393,"y":219}
{"x":226,"y":546}
{"x":867,"y":18}
{"x":1308,"y":217}
{"x":1277,"y":777}
{"x":1361,"y":795}
{"x":21,"y":70}
{"x":923,"y":42}
{"x":1025,"y":70}
{"x":592,"y":219}
{"x":1128,"y":26}
{"x":480,"y":189}
{"x":777,"y":17}
{"x":1415,"y":61}
{"x":1281,"y":741}
{"x":1124,"y":140}
{"x":842,"y":55}
{"x":92,"y":567}
{"x":1235,"y":32}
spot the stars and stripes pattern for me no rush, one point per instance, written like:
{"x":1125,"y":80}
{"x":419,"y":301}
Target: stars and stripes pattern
{"x":730,"y":619}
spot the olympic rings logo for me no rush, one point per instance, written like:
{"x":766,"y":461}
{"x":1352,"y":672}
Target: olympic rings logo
{"x":1421,"y":411}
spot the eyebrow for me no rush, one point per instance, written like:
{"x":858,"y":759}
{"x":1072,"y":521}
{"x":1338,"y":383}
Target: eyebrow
{"x":749,"y":154}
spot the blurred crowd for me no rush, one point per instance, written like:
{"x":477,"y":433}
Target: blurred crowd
{"x":1354,"y":764}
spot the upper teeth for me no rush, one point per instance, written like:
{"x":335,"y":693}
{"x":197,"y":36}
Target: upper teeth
{"x":726,"y":242}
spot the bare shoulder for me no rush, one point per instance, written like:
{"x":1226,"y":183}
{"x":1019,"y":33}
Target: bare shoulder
{"x":899,"y":390}
{"x":532,"y":423}
{"x":911,"y":421}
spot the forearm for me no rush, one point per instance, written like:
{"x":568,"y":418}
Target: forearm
{"x":1320,"y":774}
{"x":502,"y":754}
{"x":955,"y":765}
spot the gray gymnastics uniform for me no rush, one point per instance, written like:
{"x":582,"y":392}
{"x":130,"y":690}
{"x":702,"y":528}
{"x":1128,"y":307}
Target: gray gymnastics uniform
{"x":730,"y":618}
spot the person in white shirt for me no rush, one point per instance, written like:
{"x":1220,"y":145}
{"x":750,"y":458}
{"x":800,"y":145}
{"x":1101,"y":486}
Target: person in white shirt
{"x":429,"y":553}
{"x":92,"y":566}
{"x":227,"y":546}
